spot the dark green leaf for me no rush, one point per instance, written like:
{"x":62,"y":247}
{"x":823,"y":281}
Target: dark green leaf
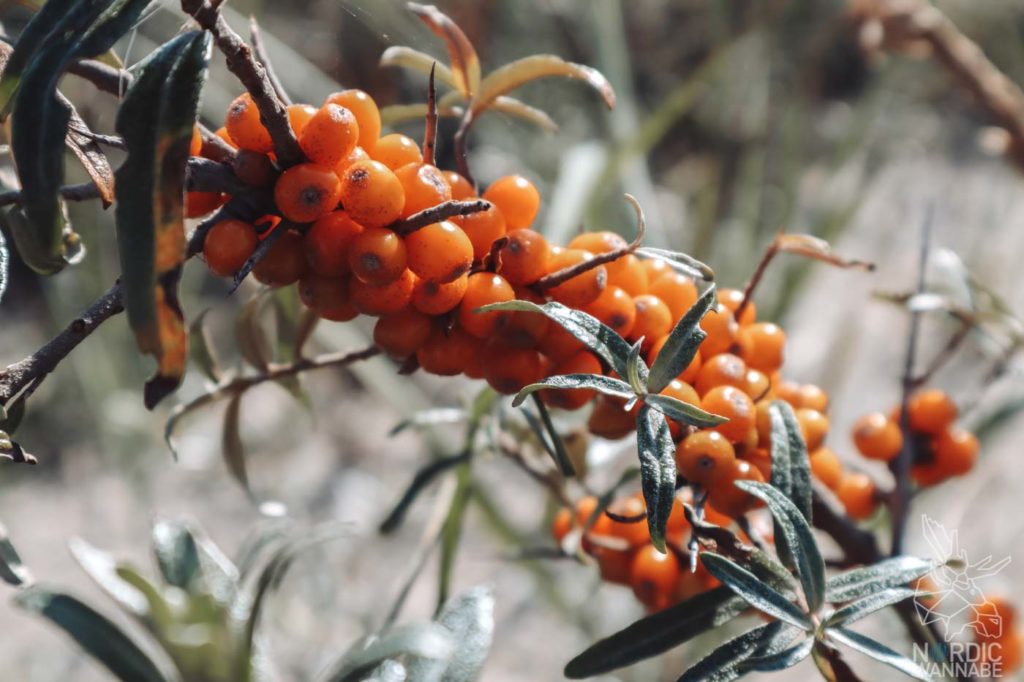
{"x":635,"y":368}
{"x":420,"y":481}
{"x":782,"y":660}
{"x":422,"y":640}
{"x":601,"y":339}
{"x":684,"y":413}
{"x":469,"y":618}
{"x":754,"y":591}
{"x":201,"y":349}
{"x":12,"y":570}
{"x":231,"y":443}
{"x":657,"y":633}
{"x":854,"y":611}
{"x":782,"y":475}
{"x":44,"y":24}
{"x":657,"y":470}
{"x":878,"y":651}
{"x":558,"y":451}
{"x":606,"y":385}
{"x":722,"y":664}
{"x":682,"y":344}
{"x":865,"y":581}
{"x":799,"y":460}
{"x":810,"y":565}
{"x":688,"y":265}
{"x":99,"y":637}
{"x":177,"y":555}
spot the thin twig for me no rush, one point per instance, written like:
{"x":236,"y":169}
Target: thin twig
{"x":107,"y":78}
{"x":434,"y":214}
{"x":459,"y":141}
{"x":430,"y":133}
{"x":755,"y":279}
{"x":256,"y":36}
{"x":550,"y":479}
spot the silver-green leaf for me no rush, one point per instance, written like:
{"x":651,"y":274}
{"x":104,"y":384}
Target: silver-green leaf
{"x":756,"y":593}
{"x":681,"y":345}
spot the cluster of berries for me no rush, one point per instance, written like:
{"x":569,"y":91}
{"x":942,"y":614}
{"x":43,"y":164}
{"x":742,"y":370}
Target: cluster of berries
{"x":1003,"y":647}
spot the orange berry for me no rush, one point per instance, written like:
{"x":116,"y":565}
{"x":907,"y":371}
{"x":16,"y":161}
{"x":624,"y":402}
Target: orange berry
{"x":222,"y":133}
{"x":439,"y":252}
{"x":372,"y":194}
{"x":581,"y":289}
{"x":328,"y":243}
{"x":524,"y":257}
{"x":767,"y":342}
{"x":653,"y":577}
{"x":813,"y":397}
{"x":931,"y":411}
{"x":558,"y":344}
{"x":763,"y":422}
{"x":401,"y":334}
{"x":328,"y":297}
{"x":483,"y":228}
{"x":877,"y":437}
{"x":583,"y":362}
{"x":598,"y":242}
{"x":357,"y":154}
{"x":284,"y":262}
{"x":253,"y":169}
{"x":445,"y":353}
{"x":826,"y":467}
{"x":653,"y":320}
{"x":731,"y":299}
{"x":330,"y":135}
{"x":688,"y":375}
{"x":857,"y":493}
{"x":198,"y":204}
{"x":955,"y":451}
{"x":680,"y":390}
{"x":724,"y":369}
{"x":813,"y":426}
{"x":424,"y":187}
{"x":628,"y":273}
{"x":761,"y":458}
{"x":228,"y":245}
{"x":383,"y":299}
{"x":396,"y":150}
{"x":615,"y":308}
{"x":482,"y":289}
{"x":377,"y":256}
{"x":299,"y":115}
{"x":585,"y":508}
{"x":705,"y":457}
{"x":789,"y":391}
{"x":461,"y":189}
{"x":244,"y":126}
{"x":656,"y":267}
{"x":721,"y":330}
{"x":305,"y":192}
{"x":730,"y":500}
{"x":523,"y":329}
{"x":635,"y":533}
{"x":757,"y":385}
{"x":561,"y":524}
{"x":195,"y":146}
{"x":733,"y":404}
{"x":435,"y":298}
{"x":677,"y":290}
{"x":609,"y":420}
{"x":508,"y":369}
{"x":366,"y":112}
{"x":516,"y":198}
{"x":1002,"y":655}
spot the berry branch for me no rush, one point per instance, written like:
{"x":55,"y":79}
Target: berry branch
{"x":435,"y":214}
{"x":256,"y":36}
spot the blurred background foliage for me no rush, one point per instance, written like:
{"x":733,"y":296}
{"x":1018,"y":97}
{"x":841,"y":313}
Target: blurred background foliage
{"x":736,"y":118}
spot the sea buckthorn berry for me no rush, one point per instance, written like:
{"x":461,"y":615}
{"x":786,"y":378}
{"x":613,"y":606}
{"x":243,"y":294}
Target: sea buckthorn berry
{"x":653,"y":320}
{"x":732,"y":299}
{"x":627,"y":273}
{"x":558,"y":344}
{"x":401,"y":334}
{"x":461,"y":189}
{"x":705,"y":457}
{"x":328,"y":297}
{"x":253,"y":168}
{"x":284,"y":262}
{"x":483,"y":288}
{"x":761,"y":458}
{"x":561,"y":525}
{"x":444,"y":353}
{"x":305,"y":192}
{"x":955,"y":451}
{"x":330,"y":135}
{"x":721,"y":330}
{"x":371,"y":193}
{"x":483,"y":228}
{"x":757,"y":385}
{"x":244,"y":126}
{"x":877,"y":437}
{"x":521,"y":328}
{"x":614,"y":307}
{"x":826,"y":467}
{"x":857,"y":493}
{"x":195,"y":146}
{"x":328,"y":243}
{"x":656,"y":267}
{"x":730,"y":500}
{"x":364,"y":108}
{"x":683,"y":392}
{"x":396,"y":150}
{"x":582,"y":362}
{"x":299,"y":115}
{"x":357,"y":154}
{"x":516,"y":198}
{"x":198,"y":204}
{"x":788,"y":391}
{"x":614,"y":564}
{"x":377,"y":256}
{"x":580,"y":290}
{"x":653,"y":577}
{"x":763,"y":422}
{"x":609,"y":419}
{"x":435,"y":298}
{"x":424,"y":187}
{"x":677,"y":290}
{"x":524,"y":257}
{"x":733,"y":404}
{"x":767,"y":345}
{"x":507,"y":370}
{"x":724,"y":369}
{"x":813,"y":426}
{"x":812,"y":397}
{"x":635,"y":533}
{"x":931,"y":411}
{"x":598,"y":242}
{"x":222,"y":133}
{"x":228,"y":245}
{"x":383,"y":299}
{"x":585,"y":508}
{"x":439,"y":252}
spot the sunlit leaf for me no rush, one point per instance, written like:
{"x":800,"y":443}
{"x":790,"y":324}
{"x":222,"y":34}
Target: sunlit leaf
{"x":465,"y":65}
{"x":469,"y":617}
{"x":597,"y":382}
{"x":102,"y":568}
{"x":754,"y":591}
{"x":816,"y":248}
{"x":861,"y":608}
{"x":688,"y":265}
{"x":794,"y":478}
{"x":51,"y":16}
{"x":5,"y":265}
{"x":90,"y":155}
{"x":12,"y":570}
{"x":657,"y":470}
{"x":422,"y":640}
{"x":782,"y":660}
{"x":554,"y":443}
{"x":682,"y":344}
{"x":722,"y":664}
{"x":684,"y":413}
{"x":507,"y":78}
{"x":865,"y":581}
{"x":878,"y":651}
{"x":408,"y":58}
{"x":431,"y":417}
{"x":523,"y":111}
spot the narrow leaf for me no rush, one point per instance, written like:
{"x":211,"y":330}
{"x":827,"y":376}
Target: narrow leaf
{"x":432,"y":417}
{"x":469,"y":618}
{"x":878,"y":651}
{"x":465,"y":65}
{"x":809,"y":246}
{"x":722,"y":664}
{"x":419,"y":482}
{"x":503,"y":80}
{"x":868,"y":580}
{"x":407,"y":58}
{"x":12,"y":570}
{"x":5,"y":264}
{"x":201,"y":349}
{"x":523,"y":111}
{"x":782,"y":660}
{"x":682,"y":343}
{"x":688,"y":265}
{"x":102,"y":568}
{"x":657,"y":470}
{"x":250,"y":336}
{"x":606,"y":385}
{"x":854,"y":611}
{"x":231,"y":443}
{"x":90,"y":155}
{"x":52,"y":15}
{"x":423,"y":640}
{"x":557,"y":444}
{"x":684,"y":413}
{"x":756,"y":593}
{"x":799,"y":460}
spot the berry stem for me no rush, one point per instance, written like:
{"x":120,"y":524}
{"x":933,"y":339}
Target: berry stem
{"x":430,"y":132}
{"x":256,"y":38}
